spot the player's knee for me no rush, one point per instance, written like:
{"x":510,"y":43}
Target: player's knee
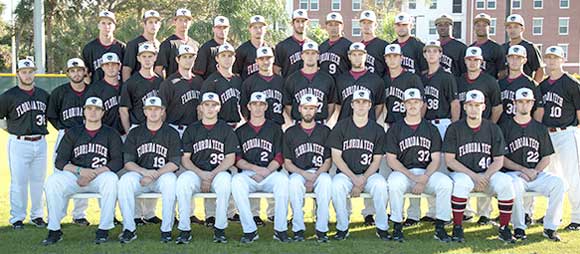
{"x":325,"y":180}
{"x":557,"y":184}
{"x":239,"y":184}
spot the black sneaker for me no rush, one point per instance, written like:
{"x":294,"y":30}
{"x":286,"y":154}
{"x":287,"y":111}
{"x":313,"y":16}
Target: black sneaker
{"x":398,"y":232}
{"x":540,"y":221}
{"x":341,"y":235}
{"x":166,"y":237}
{"x":483,"y":220}
{"x":427,"y":219}
{"x":153,"y":220}
{"x":270,"y":219}
{"x":282,"y":236}
{"x":383,"y":235}
{"x":369,"y":221}
{"x":520,"y":234}
{"x":195,"y":220}
{"x":440,"y":233}
{"x":81,"y":222}
{"x":127,"y":236}
{"x":552,"y":235}
{"x":53,"y":237}
{"x":219,"y":236}
{"x":38,"y":222}
{"x":235,"y":218}
{"x":259,"y":221}
{"x":101,"y":236}
{"x":184,"y":237}
{"x":139,"y":222}
{"x":458,"y":234}
{"x":209,"y":222}
{"x":467,"y":218}
{"x":321,"y":237}
{"x":18,"y":225}
{"x":505,"y":234}
{"x":410,"y":222}
{"x":298,"y":236}
{"x":250,"y":237}
{"x":573,"y":227}
{"x":528,"y":220}
{"x":116,"y":222}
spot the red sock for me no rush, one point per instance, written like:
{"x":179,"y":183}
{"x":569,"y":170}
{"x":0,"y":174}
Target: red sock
{"x":458,"y":207}
{"x":505,"y":211}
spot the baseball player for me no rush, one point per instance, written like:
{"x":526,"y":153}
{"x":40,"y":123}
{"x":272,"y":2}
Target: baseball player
{"x":309,"y":80}
{"x":493,"y":54}
{"x":453,"y":49}
{"x":307,"y":158}
{"x":169,"y":48}
{"x":288,"y":59}
{"x":334,"y":51}
{"x":260,"y":161}
{"x":413,"y":150}
{"x":209,"y":152}
{"x":357,"y":149}
{"x":529,"y":149}
{"x":474,"y":151}
{"x":89,"y":156}
{"x":151,"y":26}
{"x":375,"y":47}
{"x":561,"y":113}
{"x":205,"y":63}
{"x":23,"y":116}
{"x":245,"y":64}
{"x":152,"y":154}
{"x":515,"y":27}
{"x":411,"y":47}
{"x":104,"y":43}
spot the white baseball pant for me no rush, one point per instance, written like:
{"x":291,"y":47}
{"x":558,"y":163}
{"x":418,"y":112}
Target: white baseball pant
{"x":500,"y":184}
{"x":144,"y":208}
{"x":323,"y":191}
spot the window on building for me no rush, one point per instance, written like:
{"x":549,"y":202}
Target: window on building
{"x":491,"y":4}
{"x":457,"y":6}
{"x":379,"y":2}
{"x":537,"y":26}
{"x":432,"y":28}
{"x":457,"y":30}
{"x":492,"y":26}
{"x":356,"y":5}
{"x":565,"y":48}
{"x":538,"y":4}
{"x":433,"y":5}
{"x":412,"y":4}
{"x":335,"y":5}
{"x":314,"y":23}
{"x":314,"y":5}
{"x":564,"y":4}
{"x":563,"y":24}
{"x":356,"y":28}
{"x":303,"y":4}
{"x":479,"y":4}
{"x":516,"y":4}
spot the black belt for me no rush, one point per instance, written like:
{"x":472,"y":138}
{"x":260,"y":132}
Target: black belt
{"x":552,"y":129}
{"x":29,"y":138}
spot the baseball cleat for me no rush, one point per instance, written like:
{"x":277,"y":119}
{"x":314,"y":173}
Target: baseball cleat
{"x":250,"y":237}
{"x":38,"y":222}
{"x":184,"y":237}
{"x":410,"y":222}
{"x":573,"y":227}
{"x":341,"y":235}
{"x":483,"y":220}
{"x":369,"y":220}
{"x":552,"y":235}
{"x":139,"y":222}
{"x":219,"y":236}
{"x":235,"y":218}
{"x":18,"y":225}
{"x":209,"y":222}
{"x":53,"y":237}
{"x":398,"y":232}
{"x":101,"y":236}
{"x":282,"y":236}
{"x":259,"y":221}
{"x":153,"y":220}
{"x":298,"y":236}
{"x":81,"y":222}
{"x":195,"y":220}
{"x":520,"y":234}
{"x":166,"y":237}
{"x":458,"y":234}
{"x":383,"y":235}
{"x":440,"y":233}
{"x":127,"y":236}
{"x":321,"y":237}
{"x":505,"y":235}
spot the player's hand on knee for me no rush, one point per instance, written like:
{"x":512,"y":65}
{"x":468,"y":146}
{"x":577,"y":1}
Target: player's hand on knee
{"x":309,"y":186}
{"x":310,"y":177}
{"x":531,"y":173}
{"x":258,"y":178}
{"x":355,"y":192}
{"x":146,"y":180}
{"x":205,"y":186}
{"x":421,"y":179}
{"x":83,"y":181}
{"x":89,"y":173}
{"x":418,"y":188}
{"x":358,"y":181}
{"x":525,"y":177}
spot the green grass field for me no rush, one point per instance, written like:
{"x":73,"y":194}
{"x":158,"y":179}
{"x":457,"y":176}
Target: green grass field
{"x":419,"y":239}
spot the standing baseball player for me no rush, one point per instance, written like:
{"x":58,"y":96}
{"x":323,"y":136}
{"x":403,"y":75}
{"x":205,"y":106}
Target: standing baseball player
{"x":151,"y":25}
{"x":529,"y":149}
{"x":209,"y":152}
{"x":334,"y":51}
{"x":205,"y":63}
{"x":152,"y":154}
{"x":561,"y":113}
{"x":104,"y":43}
{"x":309,"y":80}
{"x":375,"y":46}
{"x":411,"y":47}
{"x":89,"y":157}
{"x":493,"y":54}
{"x":288,"y":59}
{"x":23,"y":116}
{"x":515,"y":27}
{"x":413,"y":151}
{"x":245,"y":64}
{"x":453,"y":49}
{"x":260,"y":161}
{"x":307,"y":158}
{"x":357,"y":150}
{"x":474,"y":151}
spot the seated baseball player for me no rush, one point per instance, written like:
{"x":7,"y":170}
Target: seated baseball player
{"x":413,"y":148}
{"x":209,"y":151}
{"x":357,"y":150}
{"x":474,"y":152}
{"x":88,"y":157}
{"x":307,"y":158}
{"x":152,"y":154}
{"x":260,"y":161}
{"x":529,"y":153}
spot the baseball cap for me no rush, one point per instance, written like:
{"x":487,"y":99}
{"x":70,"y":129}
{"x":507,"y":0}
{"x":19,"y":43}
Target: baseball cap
{"x":525,"y":93}
{"x":368,"y":15}
{"x":308,"y":100}
{"x":151,"y":14}
{"x":264,"y":52}
{"x":107,"y":15}
{"x":186,"y":49}
{"x":26,"y":64}
{"x":444,"y":18}
{"x":226,"y":47}
{"x":75,"y":63}
{"x":482,"y":17}
{"x":517,"y":50}
{"x":555,"y":50}
{"x":334,"y":16}
{"x":310,"y":45}
{"x":299,"y":14}
{"x":110,"y":58}
{"x":94,"y":101}
{"x":412,"y":93}
{"x":153,"y":102}
{"x":221,"y":21}
{"x":361,"y":95}
{"x":403,"y":18}
{"x":393,"y":49}
{"x":475,"y":96}
{"x":210,"y":96}
{"x":183,"y":13}
{"x":357,"y":46}
{"x":473,"y":52}
{"x":258,"y":19}
{"x":432,"y":44}
{"x":515,"y":19}
{"x":258,"y":97}
{"x":147,"y":47}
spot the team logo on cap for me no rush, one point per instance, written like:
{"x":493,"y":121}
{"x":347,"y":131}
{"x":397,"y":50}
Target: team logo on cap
{"x":333,"y":16}
{"x":401,"y":17}
{"x":356,"y":46}
{"x":473,"y":51}
{"x":264,"y":51}
{"x":553,"y":49}
{"x":516,"y":49}
{"x":75,"y":63}
{"x":186,"y":49}
{"x":153,"y":100}
{"x":151,"y":13}
{"x":146,"y":46}
{"x":525,"y":93}
{"x":94,"y":101}
{"x":183,"y":12}
{"x":27,"y":63}
{"x":210,"y":96}
{"x":481,"y":16}
{"x":513,"y":18}
{"x":258,"y":96}
{"x":310,"y":45}
{"x":392,"y":48}
{"x":226,"y":47}
{"x":308,"y":98}
{"x":300,"y":12}
{"x":412,"y":93}
{"x":105,"y":13}
{"x":257,"y":18}
{"x":221,"y":20}
{"x":110,"y":57}
{"x":361,"y":94}
{"x":473,"y":95}
{"x":367,"y":14}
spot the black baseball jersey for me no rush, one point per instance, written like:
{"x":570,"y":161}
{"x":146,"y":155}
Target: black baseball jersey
{"x":322,"y":86}
{"x":493,"y":57}
{"x":229,"y":91}
{"x":486,"y":84}
{"x":413,"y":59}
{"x":245,"y":64}
{"x":181,"y":97}
{"x":131,"y":51}
{"x":346,"y":85}
{"x":375,"y":62}
{"x":474,"y":148}
{"x":260,"y":145}
{"x":358,"y":144}
{"x":205,"y":63}
{"x":307,"y":150}
{"x":526,"y":144}
{"x":440,"y":91}
{"x":334,"y":56}
{"x":168,"y":51}
{"x":453,"y":58}
{"x":209,"y":145}
{"x":508,"y":89}
{"x":413,"y":145}
{"x":274,"y":90}
{"x":395,"y":91}
{"x":94,"y":51}
{"x":152,"y":149}
{"x":111,"y":97}
{"x":86,"y":149}
{"x":135,"y":91}
{"x":65,"y":109}
{"x":287,"y":55}
{"x":533,"y":55}
{"x":25,"y":113}
{"x":561,"y":101}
